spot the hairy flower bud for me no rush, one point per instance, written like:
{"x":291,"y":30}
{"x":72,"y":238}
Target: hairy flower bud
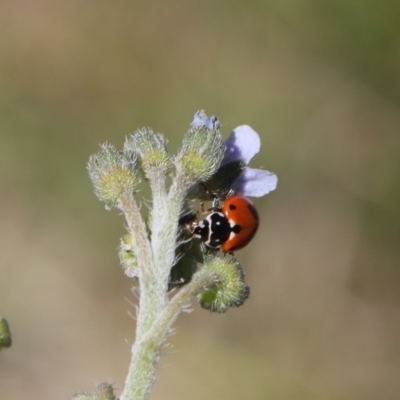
{"x":127,"y":257}
{"x":230,"y":290}
{"x":113,"y":173}
{"x":152,"y":149}
{"x":201,"y":153}
{"x":105,"y":391}
{"x":5,"y":334}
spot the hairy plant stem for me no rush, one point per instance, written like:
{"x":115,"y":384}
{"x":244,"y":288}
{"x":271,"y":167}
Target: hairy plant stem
{"x":155,"y":260}
{"x":152,"y":298}
{"x":145,"y":354}
{"x":137,"y":229}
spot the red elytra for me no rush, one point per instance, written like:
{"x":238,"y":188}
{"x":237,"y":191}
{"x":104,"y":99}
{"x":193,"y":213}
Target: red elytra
{"x":230,"y":227}
{"x":243,"y":219}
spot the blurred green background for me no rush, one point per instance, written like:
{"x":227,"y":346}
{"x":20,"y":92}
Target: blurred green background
{"x":320,"y":82}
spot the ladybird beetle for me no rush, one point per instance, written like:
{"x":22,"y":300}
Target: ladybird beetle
{"x":230,"y":227}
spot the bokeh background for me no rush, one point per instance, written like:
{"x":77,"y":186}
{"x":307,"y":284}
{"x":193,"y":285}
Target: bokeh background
{"x":320,"y":82}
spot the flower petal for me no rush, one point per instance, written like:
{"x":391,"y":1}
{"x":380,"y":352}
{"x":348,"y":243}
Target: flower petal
{"x":200,"y":119}
{"x":242,"y":144}
{"x":255,"y":182}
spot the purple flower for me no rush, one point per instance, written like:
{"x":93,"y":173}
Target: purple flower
{"x":243,"y":144}
{"x":200,"y":119}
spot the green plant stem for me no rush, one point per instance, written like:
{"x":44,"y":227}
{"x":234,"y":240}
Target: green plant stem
{"x":146,"y":352}
{"x":155,"y":260}
{"x":159,"y":197}
{"x":179,"y":301}
{"x":137,"y":229}
{"x":155,"y":313}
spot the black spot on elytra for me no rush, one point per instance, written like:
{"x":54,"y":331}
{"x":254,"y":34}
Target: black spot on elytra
{"x":236,"y":229}
{"x":232,"y":207}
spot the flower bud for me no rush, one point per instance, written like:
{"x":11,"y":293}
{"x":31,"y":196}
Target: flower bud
{"x":230,"y":290}
{"x":201,"y":119}
{"x":5,"y":334}
{"x":105,"y":391}
{"x":201,"y":153}
{"x":152,"y":149}
{"x":127,"y":257}
{"x":113,"y":173}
